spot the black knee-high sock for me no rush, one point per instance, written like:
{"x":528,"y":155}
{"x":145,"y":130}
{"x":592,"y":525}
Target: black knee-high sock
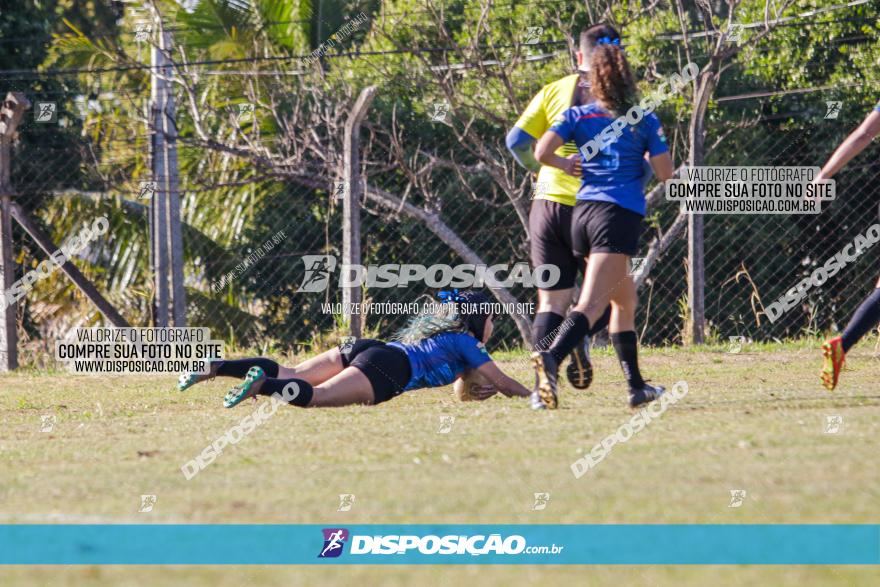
{"x":601,"y":322}
{"x":239,"y":367}
{"x":626,"y":346}
{"x":867,"y":316}
{"x":572,"y":331}
{"x":300,"y":393}
{"x":544,"y":329}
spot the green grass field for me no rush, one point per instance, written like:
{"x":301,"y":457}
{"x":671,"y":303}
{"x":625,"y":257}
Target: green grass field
{"x":753,"y":421}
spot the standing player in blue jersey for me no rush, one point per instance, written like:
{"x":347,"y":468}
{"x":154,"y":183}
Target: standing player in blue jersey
{"x":552,"y":206}
{"x":432,"y":351}
{"x":607,"y":218}
{"x":867,"y":315}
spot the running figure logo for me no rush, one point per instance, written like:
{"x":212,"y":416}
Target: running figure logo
{"x":318,"y":270}
{"x":46,"y":112}
{"x":341,"y":190}
{"x":245,"y":112}
{"x":47,"y":422}
{"x":533,"y":34}
{"x":736,"y":344}
{"x":346,"y":501}
{"x":142,"y":32}
{"x":147,"y":189}
{"x":147,"y":503}
{"x":441,"y":109}
{"x":346,"y":344}
{"x":637,"y":266}
{"x":541,"y":501}
{"x":833,"y":424}
{"x":334,"y":540}
{"x":737,"y":497}
{"x":734,"y":33}
{"x":832,"y":109}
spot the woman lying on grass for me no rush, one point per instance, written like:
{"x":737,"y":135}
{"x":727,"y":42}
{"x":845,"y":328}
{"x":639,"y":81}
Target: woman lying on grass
{"x":433,"y":350}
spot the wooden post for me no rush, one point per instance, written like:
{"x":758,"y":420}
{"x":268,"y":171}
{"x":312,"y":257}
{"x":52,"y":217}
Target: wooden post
{"x":696,"y":255}
{"x":89,"y":290}
{"x":11,"y":114}
{"x":170,"y":185}
{"x":351,"y":207}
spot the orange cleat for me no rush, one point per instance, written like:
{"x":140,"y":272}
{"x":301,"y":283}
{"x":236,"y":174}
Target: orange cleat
{"x":834,"y":359}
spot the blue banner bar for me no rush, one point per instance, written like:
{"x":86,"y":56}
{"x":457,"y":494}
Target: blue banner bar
{"x":439,"y":544}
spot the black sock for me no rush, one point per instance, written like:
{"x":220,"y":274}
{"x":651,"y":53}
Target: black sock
{"x":867,"y":316}
{"x":544,"y":329}
{"x":299,"y":394}
{"x":239,"y":367}
{"x":626,"y":346}
{"x":572,"y":331}
{"x":601,"y":322}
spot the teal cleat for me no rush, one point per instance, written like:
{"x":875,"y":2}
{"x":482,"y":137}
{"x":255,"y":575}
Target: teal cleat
{"x":253,"y":381}
{"x":190,"y":378}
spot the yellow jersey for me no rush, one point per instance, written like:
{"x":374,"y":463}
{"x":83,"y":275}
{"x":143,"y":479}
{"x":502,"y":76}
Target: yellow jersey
{"x":547,"y":105}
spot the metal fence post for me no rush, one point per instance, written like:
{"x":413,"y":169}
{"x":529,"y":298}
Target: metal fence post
{"x":170,"y":184}
{"x":11,"y":114}
{"x":351,"y":207}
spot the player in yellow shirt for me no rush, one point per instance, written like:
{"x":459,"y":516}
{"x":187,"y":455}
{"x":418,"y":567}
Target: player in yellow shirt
{"x":551,"y":210}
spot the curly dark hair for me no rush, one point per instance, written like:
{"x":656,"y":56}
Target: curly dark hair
{"x":611,"y":80}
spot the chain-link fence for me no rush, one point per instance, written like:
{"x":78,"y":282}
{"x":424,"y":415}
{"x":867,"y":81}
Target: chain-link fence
{"x":245,"y":234}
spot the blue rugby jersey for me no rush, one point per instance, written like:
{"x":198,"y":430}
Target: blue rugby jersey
{"x":616,"y":173}
{"x":437,"y":360}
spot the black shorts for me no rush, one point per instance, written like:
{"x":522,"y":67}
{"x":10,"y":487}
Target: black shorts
{"x":603,"y":227}
{"x":550,"y":233}
{"x":386,"y":367}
